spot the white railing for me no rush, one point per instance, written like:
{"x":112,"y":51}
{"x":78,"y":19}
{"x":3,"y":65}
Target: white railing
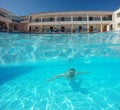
{"x":5,"y":19}
{"x":70,"y":22}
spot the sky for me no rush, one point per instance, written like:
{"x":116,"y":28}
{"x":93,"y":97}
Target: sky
{"x":26,"y":7}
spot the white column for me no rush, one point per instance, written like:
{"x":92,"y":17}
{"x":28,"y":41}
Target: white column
{"x":41,"y":28}
{"x":28,"y":27}
{"x":108,"y":27}
{"x":100,"y":18}
{"x":101,"y":28}
{"x":87,"y":18}
{"x":30,"y":19}
{"x":7,"y":27}
{"x":71,"y":28}
{"x":71,"y":22}
{"x":56,"y":18}
{"x":41,"y":18}
{"x":88,"y":28}
{"x":71,"y":17}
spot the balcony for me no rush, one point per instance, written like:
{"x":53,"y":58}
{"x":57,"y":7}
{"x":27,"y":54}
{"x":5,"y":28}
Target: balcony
{"x":118,"y":15}
{"x":36,"y":20}
{"x":48,"y":20}
{"x":70,"y":20}
{"x":3,"y":19}
{"x":62,"y":19}
{"x":80,"y":19}
{"x":94,"y":19}
{"x":106,"y":18}
{"x":2,"y":15}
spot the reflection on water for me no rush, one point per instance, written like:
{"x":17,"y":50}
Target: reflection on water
{"x":21,"y":48}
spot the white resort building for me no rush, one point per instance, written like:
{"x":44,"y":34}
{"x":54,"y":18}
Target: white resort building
{"x":61,"y":22}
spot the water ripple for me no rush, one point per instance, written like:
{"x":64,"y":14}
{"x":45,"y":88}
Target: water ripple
{"x":21,"y":48}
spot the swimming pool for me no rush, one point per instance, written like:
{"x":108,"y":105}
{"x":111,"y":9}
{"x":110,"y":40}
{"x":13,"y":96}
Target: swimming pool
{"x":27,"y":61}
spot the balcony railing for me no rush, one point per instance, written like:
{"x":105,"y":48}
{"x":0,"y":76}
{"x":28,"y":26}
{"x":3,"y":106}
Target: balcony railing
{"x":118,"y":15}
{"x":80,"y":19}
{"x":48,"y":20}
{"x":4,"y":19}
{"x":16,"y":20}
{"x":26,"y":19}
{"x":63,"y":19}
{"x":106,"y":19}
{"x":94,"y":19}
{"x":36,"y":20}
{"x":2,"y":15}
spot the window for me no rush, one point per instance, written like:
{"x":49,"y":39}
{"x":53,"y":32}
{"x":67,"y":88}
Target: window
{"x":79,"y":18}
{"x":96,"y":19}
{"x":118,"y":15}
{"x":58,"y":19}
{"x":68,"y":19}
{"x":110,"y":17}
{"x":107,"y":18}
{"x":104,"y":18}
{"x":45,"y":20}
{"x":62,"y":19}
{"x":84,"y":18}
{"x":90,"y":18}
{"x":37,"y":20}
{"x":75,"y":19}
{"x":51,"y":19}
{"x":119,"y":25}
{"x":2,"y":15}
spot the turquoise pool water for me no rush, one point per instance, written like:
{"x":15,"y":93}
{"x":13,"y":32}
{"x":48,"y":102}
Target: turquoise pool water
{"x":27,"y":61}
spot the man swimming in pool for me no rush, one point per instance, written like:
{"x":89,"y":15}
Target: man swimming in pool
{"x":70,"y":74}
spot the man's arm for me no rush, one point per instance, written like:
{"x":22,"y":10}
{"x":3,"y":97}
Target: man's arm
{"x":57,"y":76}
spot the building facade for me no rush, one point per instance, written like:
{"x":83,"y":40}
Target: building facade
{"x":62,"y":22}
{"x":12,"y":23}
{"x":4,"y":21}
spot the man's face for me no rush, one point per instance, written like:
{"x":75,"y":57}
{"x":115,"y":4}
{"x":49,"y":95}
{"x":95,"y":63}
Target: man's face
{"x":71,"y":72}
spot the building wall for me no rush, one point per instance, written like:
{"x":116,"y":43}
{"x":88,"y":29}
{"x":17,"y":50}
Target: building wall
{"x":89,"y":21}
{"x":23,"y":27}
{"x":117,"y":19}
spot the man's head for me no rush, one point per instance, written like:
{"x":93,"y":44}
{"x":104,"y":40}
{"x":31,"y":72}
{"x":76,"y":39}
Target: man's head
{"x":71,"y":72}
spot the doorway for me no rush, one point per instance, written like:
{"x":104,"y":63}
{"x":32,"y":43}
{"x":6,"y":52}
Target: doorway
{"x":51,"y":29}
{"x":80,"y":28}
{"x":62,"y":29}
